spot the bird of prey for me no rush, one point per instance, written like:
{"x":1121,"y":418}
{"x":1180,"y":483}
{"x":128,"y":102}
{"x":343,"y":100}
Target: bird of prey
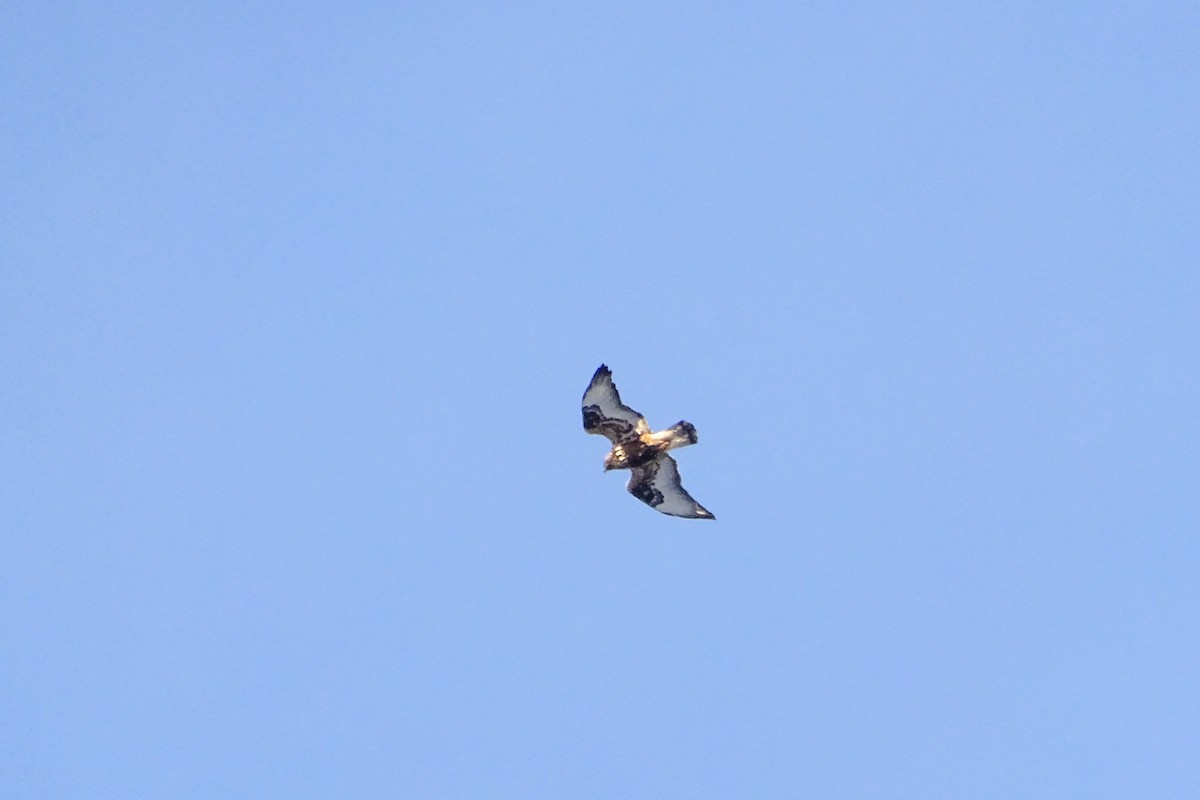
{"x":655,"y":476}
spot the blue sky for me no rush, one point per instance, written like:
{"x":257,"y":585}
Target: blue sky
{"x":298,"y":306}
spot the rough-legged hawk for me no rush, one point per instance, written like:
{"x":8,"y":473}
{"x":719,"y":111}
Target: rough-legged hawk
{"x":655,"y":478}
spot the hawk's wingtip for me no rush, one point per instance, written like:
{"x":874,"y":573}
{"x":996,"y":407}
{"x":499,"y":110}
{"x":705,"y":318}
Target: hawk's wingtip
{"x":601,"y":373}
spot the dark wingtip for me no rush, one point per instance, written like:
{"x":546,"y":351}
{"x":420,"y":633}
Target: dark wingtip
{"x":601,"y":372}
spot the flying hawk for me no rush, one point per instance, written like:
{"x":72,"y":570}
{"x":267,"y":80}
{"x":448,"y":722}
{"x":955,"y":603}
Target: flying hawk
{"x":655,"y":478}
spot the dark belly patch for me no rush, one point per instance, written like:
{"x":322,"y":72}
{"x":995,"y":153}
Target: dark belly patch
{"x":641,"y":453}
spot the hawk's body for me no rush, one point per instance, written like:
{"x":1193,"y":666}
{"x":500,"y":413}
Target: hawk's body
{"x":655,"y":476}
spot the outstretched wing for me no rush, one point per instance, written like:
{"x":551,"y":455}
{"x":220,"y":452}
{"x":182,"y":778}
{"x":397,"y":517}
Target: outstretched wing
{"x":603,"y":412}
{"x":656,"y":484}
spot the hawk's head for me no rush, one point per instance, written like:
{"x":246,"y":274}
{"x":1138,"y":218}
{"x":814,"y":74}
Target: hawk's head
{"x":616,"y":459}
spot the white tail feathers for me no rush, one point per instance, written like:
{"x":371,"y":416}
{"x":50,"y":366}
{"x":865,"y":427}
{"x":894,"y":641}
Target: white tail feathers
{"x":681,"y":434}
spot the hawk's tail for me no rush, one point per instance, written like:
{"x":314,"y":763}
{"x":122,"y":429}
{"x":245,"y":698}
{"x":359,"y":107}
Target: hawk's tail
{"x":681,"y":434}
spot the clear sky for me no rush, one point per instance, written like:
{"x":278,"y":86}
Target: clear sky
{"x":299,"y":302}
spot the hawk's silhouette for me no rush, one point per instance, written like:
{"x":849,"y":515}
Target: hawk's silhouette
{"x":655,"y":478}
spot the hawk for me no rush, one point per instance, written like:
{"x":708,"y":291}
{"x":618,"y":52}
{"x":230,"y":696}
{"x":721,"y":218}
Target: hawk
{"x":655,"y":476}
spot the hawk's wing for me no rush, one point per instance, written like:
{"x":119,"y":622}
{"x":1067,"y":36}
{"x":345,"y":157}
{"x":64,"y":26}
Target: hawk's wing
{"x":656,"y":483}
{"x":604,"y":414}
